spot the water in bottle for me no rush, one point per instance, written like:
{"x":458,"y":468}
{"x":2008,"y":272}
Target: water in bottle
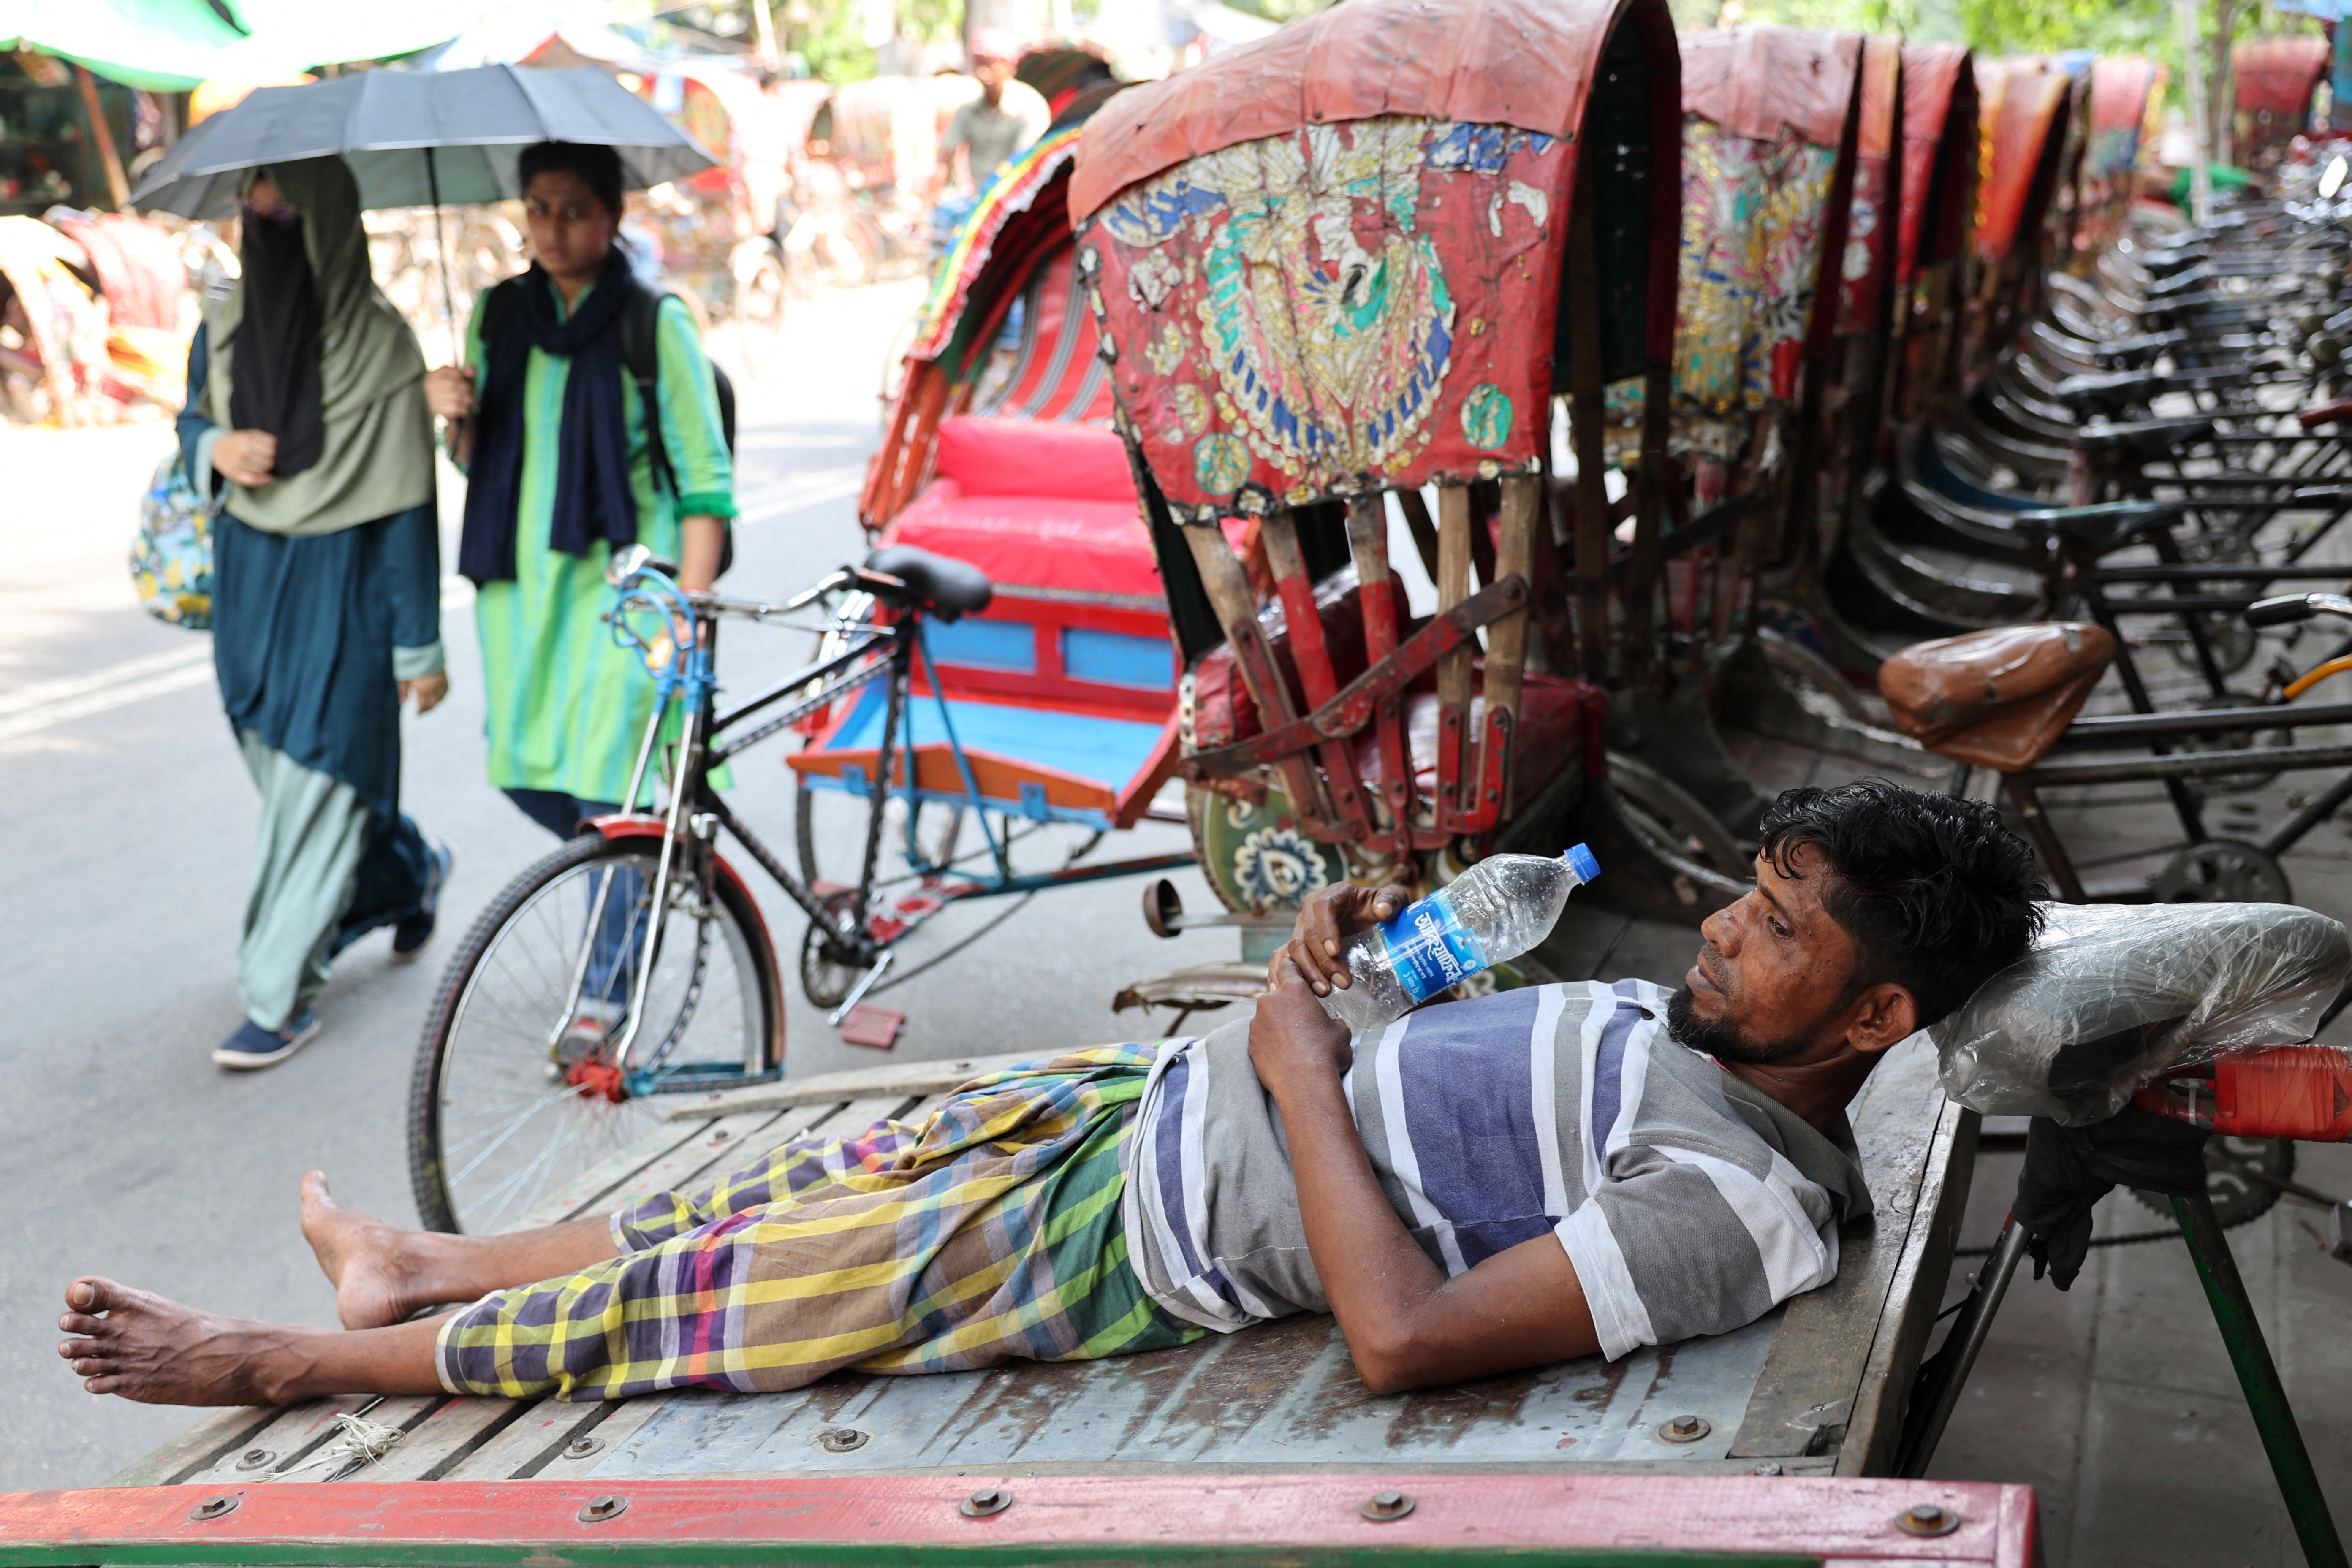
{"x":1496,"y":910}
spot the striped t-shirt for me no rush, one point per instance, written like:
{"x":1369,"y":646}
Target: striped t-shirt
{"x":1689,"y":1202}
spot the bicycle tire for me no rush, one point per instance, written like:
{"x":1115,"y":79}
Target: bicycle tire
{"x":429,"y":1081}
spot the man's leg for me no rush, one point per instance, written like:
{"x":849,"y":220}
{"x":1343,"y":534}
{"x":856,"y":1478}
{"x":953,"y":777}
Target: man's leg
{"x":382,"y":1274}
{"x":157,"y":1352}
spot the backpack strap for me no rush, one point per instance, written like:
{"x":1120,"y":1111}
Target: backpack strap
{"x":643,"y":362}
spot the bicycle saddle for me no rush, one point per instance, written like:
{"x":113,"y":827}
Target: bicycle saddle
{"x":1995,"y":699}
{"x":2143,"y":438}
{"x":944,"y":587}
{"x":2103,"y":528}
{"x":2110,"y":392}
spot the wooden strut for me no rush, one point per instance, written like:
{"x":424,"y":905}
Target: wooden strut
{"x":1453,"y":524}
{"x":1506,"y":644}
{"x":1351,"y":708}
{"x":1368,"y":543}
{"x":1227,"y":586}
{"x":1304,"y":621}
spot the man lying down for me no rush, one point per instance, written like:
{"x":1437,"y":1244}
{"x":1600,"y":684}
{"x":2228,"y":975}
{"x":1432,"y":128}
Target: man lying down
{"x":1484,"y":1186}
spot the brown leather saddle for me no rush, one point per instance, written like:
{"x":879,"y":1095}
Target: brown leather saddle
{"x":1995,"y":699}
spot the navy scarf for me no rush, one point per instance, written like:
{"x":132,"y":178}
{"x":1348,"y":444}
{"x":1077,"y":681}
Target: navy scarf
{"x":593,"y":498}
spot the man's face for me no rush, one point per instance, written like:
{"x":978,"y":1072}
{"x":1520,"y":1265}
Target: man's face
{"x":992,"y":74}
{"x":1772,"y":982}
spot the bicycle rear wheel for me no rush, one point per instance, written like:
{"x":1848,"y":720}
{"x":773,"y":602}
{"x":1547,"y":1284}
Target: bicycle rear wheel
{"x":514,"y":1098}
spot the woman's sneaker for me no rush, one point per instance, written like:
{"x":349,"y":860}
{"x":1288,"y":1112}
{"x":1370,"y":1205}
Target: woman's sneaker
{"x":409,"y":937}
{"x":253,"y":1046}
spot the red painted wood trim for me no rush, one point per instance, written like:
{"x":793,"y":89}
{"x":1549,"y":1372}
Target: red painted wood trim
{"x":1852,"y":1520}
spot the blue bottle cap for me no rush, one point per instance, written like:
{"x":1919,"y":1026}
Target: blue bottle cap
{"x":1579,"y":861}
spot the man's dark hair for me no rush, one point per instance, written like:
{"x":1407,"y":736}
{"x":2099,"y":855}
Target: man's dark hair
{"x":598,"y":166}
{"x":1937,"y":894}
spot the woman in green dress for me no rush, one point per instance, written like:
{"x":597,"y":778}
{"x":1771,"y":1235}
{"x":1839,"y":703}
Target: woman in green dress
{"x":560,"y":451}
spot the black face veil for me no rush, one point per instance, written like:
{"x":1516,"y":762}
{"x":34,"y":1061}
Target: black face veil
{"x":276,"y":385}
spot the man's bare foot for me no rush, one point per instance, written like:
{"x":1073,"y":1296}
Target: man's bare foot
{"x":379,"y":1277}
{"x":161,"y":1353}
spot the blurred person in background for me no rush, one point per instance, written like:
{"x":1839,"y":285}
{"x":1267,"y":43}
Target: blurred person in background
{"x":306,"y":413}
{"x":995,"y":127}
{"x":565,"y":462}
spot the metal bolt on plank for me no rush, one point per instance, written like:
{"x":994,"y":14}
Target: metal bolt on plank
{"x":1927,"y":1518}
{"x":256,"y":1459}
{"x":984,"y":1502}
{"x":597,"y":1509}
{"x":215,"y":1508}
{"x":581,"y":1447}
{"x":842,"y":1439}
{"x":1685,"y":1428}
{"x":1382,"y":1507}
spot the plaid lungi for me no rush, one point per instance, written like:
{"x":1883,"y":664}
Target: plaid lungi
{"x":990,"y":1232}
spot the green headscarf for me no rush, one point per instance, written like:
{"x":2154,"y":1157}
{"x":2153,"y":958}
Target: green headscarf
{"x":378,"y":454}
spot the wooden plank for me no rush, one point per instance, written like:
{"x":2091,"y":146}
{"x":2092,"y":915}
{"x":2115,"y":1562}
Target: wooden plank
{"x":908,"y":1078}
{"x":1805,"y":1396}
{"x":405,"y":1411}
{"x":434,"y":1444}
{"x":1180,"y":1518}
{"x":1911,"y":1306}
{"x":300,"y":1429}
{"x":621,"y":1422}
{"x":198,"y":1448}
{"x":531,"y":1440}
{"x":577,"y":1195}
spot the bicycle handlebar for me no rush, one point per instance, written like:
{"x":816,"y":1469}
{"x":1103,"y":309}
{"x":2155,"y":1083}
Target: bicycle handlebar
{"x":2289,"y":608}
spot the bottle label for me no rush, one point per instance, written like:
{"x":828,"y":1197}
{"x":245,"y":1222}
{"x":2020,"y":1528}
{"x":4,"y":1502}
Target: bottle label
{"x":1429,"y":948}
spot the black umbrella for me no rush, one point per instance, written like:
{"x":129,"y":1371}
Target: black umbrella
{"x":415,"y":139}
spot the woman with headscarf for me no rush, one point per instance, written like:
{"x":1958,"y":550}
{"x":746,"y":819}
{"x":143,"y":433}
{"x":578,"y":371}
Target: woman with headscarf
{"x":568,"y":460}
{"x":306,"y":406}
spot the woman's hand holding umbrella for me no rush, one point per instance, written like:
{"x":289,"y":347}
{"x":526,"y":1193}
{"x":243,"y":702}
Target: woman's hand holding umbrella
{"x":449,"y":392}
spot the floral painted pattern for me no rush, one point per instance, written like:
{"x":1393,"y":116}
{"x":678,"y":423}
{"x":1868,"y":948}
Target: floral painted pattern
{"x":1299,"y":315}
{"x":1752,"y":221}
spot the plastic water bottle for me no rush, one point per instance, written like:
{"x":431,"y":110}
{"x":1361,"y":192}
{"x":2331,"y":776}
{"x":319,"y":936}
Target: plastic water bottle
{"x":1496,"y":910}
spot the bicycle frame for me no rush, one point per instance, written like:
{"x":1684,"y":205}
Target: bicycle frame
{"x":689,"y":825}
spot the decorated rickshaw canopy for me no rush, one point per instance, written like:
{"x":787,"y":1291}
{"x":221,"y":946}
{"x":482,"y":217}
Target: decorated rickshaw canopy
{"x":1329,"y":262}
{"x":1939,"y":123}
{"x":2278,"y":76}
{"x":2019,"y":100}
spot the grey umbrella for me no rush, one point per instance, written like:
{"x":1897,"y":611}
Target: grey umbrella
{"x":415,"y":139}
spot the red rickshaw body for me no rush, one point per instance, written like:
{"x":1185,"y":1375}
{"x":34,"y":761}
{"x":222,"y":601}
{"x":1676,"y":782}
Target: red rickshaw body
{"x":2277,"y":77}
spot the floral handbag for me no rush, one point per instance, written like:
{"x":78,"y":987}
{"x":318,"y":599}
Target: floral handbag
{"x":172,"y":552}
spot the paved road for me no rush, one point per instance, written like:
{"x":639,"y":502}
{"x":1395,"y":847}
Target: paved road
{"x":123,"y":1150}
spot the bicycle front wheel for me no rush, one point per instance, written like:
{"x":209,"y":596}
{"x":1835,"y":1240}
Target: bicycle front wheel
{"x":515,"y":1095}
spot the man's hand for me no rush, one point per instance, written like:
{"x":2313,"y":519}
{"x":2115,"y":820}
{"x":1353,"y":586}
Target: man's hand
{"x":449,"y":391}
{"x":1292,"y":1040}
{"x":247,"y":457}
{"x":1328,"y":917}
{"x":427,"y":691}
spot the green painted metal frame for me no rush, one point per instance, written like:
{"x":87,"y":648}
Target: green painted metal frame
{"x":2266,"y":1402}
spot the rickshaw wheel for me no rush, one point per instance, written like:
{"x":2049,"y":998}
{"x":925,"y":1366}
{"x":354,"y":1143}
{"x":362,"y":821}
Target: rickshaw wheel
{"x":2238,"y":1197}
{"x":828,"y":973}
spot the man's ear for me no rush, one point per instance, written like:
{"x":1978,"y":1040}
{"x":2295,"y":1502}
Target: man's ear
{"x":1881,"y":1016}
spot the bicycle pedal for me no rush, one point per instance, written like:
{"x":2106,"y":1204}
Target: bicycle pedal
{"x":871,"y":1026}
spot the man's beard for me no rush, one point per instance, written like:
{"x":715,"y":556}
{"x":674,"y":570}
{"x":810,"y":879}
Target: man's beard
{"x":1720,"y":1038}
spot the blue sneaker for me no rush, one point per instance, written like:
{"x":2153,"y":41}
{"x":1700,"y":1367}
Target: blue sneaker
{"x":409,"y":937}
{"x":252,"y":1046}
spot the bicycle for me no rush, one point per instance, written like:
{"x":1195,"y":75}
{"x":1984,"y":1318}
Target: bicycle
{"x":633,"y":962}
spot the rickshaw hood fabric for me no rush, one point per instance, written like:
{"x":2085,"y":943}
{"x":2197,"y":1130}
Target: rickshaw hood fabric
{"x":1521,"y":63}
{"x":2276,"y":76}
{"x":1752,"y":81}
{"x":1932,"y":76}
{"x":2019,"y":104}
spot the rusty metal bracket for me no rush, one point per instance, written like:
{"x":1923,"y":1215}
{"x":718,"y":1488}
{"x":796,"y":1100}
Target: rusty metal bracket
{"x":1357,"y":704}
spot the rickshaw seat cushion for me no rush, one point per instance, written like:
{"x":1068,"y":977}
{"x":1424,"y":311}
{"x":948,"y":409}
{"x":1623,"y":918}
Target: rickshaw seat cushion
{"x":1034,"y":457}
{"x":1995,"y":699}
{"x":1066,"y":543}
{"x":2145,"y":439}
{"x":945,"y":587}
